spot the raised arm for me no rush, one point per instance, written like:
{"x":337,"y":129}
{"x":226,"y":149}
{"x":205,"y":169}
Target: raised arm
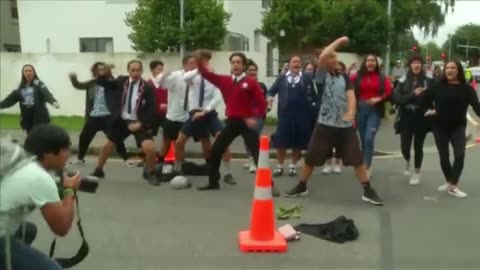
{"x":10,"y":100}
{"x":329,"y":51}
{"x":220,"y":81}
{"x":78,"y":85}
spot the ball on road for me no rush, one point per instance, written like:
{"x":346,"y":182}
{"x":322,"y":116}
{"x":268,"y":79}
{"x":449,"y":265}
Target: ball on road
{"x":180,"y":182}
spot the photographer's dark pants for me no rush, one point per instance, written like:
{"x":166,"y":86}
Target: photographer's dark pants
{"x":233,"y":129}
{"x":24,"y":257}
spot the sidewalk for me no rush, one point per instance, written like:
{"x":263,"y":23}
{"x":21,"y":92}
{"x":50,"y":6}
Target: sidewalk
{"x":386,"y":142}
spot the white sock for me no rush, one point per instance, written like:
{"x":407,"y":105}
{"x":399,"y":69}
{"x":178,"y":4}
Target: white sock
{"x":279,"y":166}
{"x":293,"y":165}
{"x":178,"y":166}
{"x":226,"y":165}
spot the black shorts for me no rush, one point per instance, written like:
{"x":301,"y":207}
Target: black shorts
{"x":93,"y":124}
{"x":120,"y":132}
{"x":171,"y":129}
{"x":203,"y":128}
{"x":325,"y":138}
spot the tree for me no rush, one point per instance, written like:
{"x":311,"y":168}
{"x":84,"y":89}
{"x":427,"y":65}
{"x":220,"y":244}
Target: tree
{"x":296,"y":20}
{"x":465,"y":34}
{"x":156,"y":25}
{"x":431,"y":49}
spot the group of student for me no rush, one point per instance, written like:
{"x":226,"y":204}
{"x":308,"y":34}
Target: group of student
{"x":321,"y":109}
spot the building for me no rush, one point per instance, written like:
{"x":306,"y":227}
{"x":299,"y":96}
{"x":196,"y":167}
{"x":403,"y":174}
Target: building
{"x":99,"y":26}
{"x":9,"y":33}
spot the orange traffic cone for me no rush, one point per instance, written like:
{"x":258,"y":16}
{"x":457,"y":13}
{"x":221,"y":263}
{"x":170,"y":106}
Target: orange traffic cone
{"x":262,"y":236}
{"x":170,"y":157}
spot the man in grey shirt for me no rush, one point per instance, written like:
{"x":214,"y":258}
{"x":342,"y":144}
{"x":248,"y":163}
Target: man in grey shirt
{"x":334,"y":127}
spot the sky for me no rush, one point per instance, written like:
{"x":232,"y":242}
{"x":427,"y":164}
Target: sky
{"x":465,"y":12}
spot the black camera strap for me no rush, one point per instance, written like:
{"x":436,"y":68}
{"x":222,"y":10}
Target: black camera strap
{"x":82,"y":253}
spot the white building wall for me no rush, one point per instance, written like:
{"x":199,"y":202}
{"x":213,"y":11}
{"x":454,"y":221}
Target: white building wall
{"x":9,"y":32}
{"x":63,"y":22}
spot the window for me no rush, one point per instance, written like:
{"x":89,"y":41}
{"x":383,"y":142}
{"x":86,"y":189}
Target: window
{"x":270,"y":72}
{"x":14,"y":9}
{"x":236,"y":42}
{"x":257,"y":39}
{"x":12,"y":47}
{"x":96,"y":44}
{"x":265,"y":3}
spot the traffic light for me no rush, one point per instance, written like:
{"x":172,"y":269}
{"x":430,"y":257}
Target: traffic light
{"x":414,"y":48}
{"x":443,"y":56}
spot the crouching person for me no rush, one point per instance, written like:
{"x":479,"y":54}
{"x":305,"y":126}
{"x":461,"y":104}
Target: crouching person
{"x":26,"y":184}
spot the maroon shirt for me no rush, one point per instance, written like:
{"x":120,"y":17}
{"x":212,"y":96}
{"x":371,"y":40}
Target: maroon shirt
{"x":243,"y":98}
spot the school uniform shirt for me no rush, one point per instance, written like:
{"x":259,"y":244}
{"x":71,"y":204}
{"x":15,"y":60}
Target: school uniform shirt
{"x":161,"y":97}
{"x":238,"y":93}
{"x":129,"y":111}
{"x":212,"y":97}
{"x":177,"y":90}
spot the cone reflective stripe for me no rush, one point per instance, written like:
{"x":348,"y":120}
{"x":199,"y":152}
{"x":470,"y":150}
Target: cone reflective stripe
{"x":262,"y":194}
{"x":262,"y":235}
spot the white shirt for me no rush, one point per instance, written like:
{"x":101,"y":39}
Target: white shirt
{"x":212,"y":95}
{"x":293,"y":78}
{"x":133,"y":103}
{"x":21,"y":192}
{"x":177,"y":87}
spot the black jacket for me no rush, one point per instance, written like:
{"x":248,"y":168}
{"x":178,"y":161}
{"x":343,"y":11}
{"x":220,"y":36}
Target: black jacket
{"x":41,"y":95}
{"x":112,"y":95}
{"x":411,"y":109}
{"x":145,"y":109}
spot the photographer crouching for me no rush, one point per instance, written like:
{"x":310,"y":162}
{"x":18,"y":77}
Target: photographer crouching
{"x":26,"y":184}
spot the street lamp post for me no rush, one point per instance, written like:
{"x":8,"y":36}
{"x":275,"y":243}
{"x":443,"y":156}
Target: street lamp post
{"x":387,"y":57}
{"x":182,"y":18}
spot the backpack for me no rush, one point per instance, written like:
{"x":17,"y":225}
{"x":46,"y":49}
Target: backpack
{"x":12,"y":157}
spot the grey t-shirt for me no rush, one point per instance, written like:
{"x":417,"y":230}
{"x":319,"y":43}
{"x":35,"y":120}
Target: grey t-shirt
{"x":99,"y":104}
{"x":27,"y":94}
{"x":334,"y":101}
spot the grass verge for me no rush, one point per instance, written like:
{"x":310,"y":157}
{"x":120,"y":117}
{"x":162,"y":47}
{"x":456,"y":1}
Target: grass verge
{"x":70,"y":123}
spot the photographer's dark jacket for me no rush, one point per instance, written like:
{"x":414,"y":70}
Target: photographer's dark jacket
{"x":112,"y":95}
{"x":145,"y":106}
{"x":33,"y":110}
{"x":411,"y":109}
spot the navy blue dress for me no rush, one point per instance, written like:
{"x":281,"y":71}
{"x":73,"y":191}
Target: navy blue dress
{"x":294,"y":126}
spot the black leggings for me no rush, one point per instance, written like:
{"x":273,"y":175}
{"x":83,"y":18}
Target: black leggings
{"x":418,"y":137}
{"x":456,"y":137}
{"x":232,"y":129}
{"x":90,"y":129}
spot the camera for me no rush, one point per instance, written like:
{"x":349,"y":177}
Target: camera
{"x":86,"y":184}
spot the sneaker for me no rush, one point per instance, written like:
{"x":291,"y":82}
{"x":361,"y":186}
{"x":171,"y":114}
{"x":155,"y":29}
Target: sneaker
{"x":327,"y":169}
{"x":444,"y":187}
{"x":229,"y":179}
{"x":415,"y":180}
{"x":371,"y":196}
{"x":337,"y":169}
{"x":252,"y":168}
{"x":97,"y":174}
{"x":278,"y":172}
{"x":246,"y":165}
{"x":77,"y":162}
{"x":151,"y":178}
{"x":457,"y":193}
{"x":141,"y":164}
{"x":407,"y":169}
{"x":299,"y":190}
{"x":406,"y":173}
{"x":292,"y":171}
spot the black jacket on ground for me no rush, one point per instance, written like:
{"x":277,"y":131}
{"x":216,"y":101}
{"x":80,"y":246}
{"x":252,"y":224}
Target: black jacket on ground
{"x":41,"y":96}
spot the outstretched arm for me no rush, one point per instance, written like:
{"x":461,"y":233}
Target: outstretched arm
{"x":10,"y":100}
{"x":329,"y":51}
{"x":76,"y":84}
{"x":220,"y":81}
{"x":48,"y":95}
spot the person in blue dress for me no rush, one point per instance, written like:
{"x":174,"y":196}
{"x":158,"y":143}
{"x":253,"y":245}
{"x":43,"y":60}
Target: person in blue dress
{"x":294,"y":114}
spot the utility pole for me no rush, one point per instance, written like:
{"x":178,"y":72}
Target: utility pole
{"x":182,"y":18}
{"x":450,"y":47}
{"x":387,"y":57}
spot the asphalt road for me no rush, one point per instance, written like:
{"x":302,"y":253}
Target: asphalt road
{"x":132,"y":225}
